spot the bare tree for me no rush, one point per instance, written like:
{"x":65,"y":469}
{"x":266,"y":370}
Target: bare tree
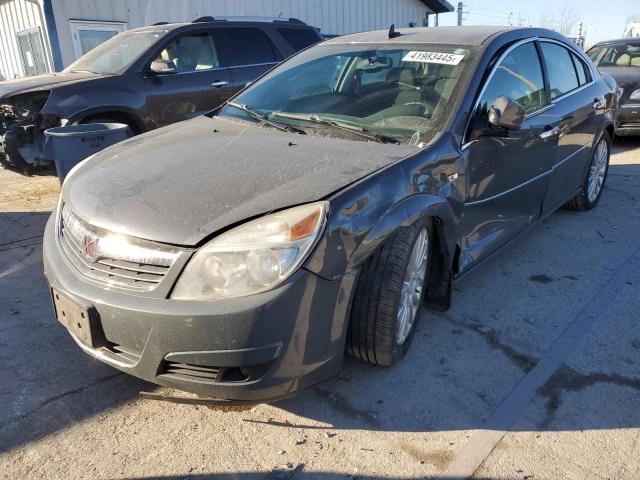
{"x":568,"y":17}
{"x":547,"y":20}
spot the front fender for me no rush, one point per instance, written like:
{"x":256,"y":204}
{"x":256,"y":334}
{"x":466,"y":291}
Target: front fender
{"x":404,"y":214}
{"x":347,"y":246}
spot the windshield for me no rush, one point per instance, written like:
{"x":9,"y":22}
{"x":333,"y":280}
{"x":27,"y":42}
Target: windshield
{"x":616,"y":55}
{"x":117,"y":53}
{"x":376,"y":91}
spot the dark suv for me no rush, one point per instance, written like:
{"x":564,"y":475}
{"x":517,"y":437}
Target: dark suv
{"x":146,"y":78}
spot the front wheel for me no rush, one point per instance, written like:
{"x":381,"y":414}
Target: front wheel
{"x":388,"y":296}
{"x":596,"y":177}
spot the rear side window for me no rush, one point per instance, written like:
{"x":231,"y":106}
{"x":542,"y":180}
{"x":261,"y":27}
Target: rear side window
{"x":249,"y":46}
{"x":582,"y":70}
{"x":299,"y":38}
{"x":562,"y":73}
{"x":519,"y":77}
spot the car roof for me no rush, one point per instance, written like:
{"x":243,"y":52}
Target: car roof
{"x":620,"y":40}
{"x":467,"y":35}
{"x":470,"y":35}
{"x":222,"y":21}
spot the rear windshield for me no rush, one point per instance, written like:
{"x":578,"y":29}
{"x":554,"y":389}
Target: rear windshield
{"x":616,"y":55}
{"x":403,"y":92}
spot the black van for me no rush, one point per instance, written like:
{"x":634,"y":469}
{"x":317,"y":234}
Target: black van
{"x":146,"y":78}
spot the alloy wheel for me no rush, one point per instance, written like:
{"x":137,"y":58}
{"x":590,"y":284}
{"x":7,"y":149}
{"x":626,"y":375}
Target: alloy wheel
{"x":597,"y":171}
{"x":412,"y":287}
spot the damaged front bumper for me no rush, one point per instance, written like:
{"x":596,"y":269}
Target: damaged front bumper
{"x":22,"y":127}
{"x":251,"y":349}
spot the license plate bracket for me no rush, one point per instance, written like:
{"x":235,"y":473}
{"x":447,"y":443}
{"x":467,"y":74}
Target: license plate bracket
{"x":80,"y":320}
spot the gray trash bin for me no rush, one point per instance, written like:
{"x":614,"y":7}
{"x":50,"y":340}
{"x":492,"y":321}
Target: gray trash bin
{"x":67,"y":146}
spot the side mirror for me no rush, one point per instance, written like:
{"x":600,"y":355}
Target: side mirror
{"x":163,"y":67}
{"x":505,"y":113}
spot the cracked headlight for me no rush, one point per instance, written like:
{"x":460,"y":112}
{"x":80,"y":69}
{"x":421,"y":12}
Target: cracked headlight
{"x":254,"y":257}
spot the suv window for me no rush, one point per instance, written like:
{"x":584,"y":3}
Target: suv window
{"x":192,"y":52}
{"x":518,"y":77}
{"x":250,"y":46}
{"x":562,"y":73}
{"x":299,"y":38}
{"x":616,"y":55}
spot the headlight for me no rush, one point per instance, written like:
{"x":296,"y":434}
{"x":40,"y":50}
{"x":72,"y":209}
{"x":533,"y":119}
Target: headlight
{"x":254,"y":257}
{"x":635,"y":95}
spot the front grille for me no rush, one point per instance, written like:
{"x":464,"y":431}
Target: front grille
{"x":114,"y":260}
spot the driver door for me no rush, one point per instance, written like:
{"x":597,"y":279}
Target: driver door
{"x":200,"y":83}
{"x":507,"y":171}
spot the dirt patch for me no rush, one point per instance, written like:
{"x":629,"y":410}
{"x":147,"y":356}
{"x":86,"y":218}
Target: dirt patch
{"x":20,"y":193}
{"x":438,"y":458}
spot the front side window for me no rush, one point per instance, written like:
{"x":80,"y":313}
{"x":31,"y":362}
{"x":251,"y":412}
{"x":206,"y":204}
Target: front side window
{"x":192,"y":52}
{"x":562,"y":73}
{"x":519,"y":77}
{"x":116,"y":54}
{"x":616,"y":55}
{"x":399,"y":92}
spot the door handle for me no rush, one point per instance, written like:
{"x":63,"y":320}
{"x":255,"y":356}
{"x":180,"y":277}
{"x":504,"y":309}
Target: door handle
{"x":219,"y":83}
{"x":550,"y":132}
{"x":599,"y":103}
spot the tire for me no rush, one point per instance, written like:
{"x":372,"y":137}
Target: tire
{"x":374,"y":335}
{"x":587,"y":198}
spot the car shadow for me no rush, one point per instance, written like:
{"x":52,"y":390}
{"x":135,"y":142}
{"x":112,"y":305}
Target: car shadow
{"x":460,"y":367}
{"x":297,"y":473}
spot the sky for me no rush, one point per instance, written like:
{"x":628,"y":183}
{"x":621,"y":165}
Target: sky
{"x":603,"y":20}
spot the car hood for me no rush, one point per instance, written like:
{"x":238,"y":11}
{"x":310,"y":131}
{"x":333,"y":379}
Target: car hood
{"x":182,"y":183}
{"x":42,"y":82}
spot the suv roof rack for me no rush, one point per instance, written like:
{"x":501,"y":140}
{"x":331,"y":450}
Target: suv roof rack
{"x":160,"y":23}
{"x":206,"y":19}
{"x":236,"y":18}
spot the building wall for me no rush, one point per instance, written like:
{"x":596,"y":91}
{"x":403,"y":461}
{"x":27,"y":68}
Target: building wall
{"x":16,"y":16}
{"x":332,"y":16}
{"x":632,"y":30}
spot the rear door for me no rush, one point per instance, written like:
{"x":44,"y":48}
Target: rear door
{"x":579,"y":116}
{"x":250,"y":53}
{"x":507,"y":173}
{"x":201,"y":83}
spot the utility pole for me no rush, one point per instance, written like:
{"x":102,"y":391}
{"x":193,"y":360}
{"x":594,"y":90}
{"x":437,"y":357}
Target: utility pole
{"x":580,"y":36}
{"x":460,"y":7}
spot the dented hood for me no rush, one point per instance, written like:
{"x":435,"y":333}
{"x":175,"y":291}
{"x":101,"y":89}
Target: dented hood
{"x":184,"y":182}
{"x":42,"y":82}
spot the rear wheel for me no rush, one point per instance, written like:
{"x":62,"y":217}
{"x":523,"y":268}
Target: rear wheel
{"x":388,"y":296}
{"x":595,"y":179}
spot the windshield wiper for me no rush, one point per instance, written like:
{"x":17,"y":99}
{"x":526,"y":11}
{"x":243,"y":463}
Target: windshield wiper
{"x":363,"y":132}
{"x":264,"y":119}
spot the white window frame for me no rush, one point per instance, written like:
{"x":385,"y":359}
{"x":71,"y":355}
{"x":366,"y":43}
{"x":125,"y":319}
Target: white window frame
{"x":77,"y":25}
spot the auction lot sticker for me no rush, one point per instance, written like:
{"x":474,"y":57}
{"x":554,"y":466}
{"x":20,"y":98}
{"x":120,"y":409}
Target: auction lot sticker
{"x":433,"y":57}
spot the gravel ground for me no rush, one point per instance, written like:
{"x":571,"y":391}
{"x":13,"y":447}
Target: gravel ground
{"x":534,"y":373}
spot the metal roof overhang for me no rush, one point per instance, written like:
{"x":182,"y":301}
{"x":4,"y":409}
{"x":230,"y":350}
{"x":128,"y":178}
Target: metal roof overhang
{"x":438,"y":6}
